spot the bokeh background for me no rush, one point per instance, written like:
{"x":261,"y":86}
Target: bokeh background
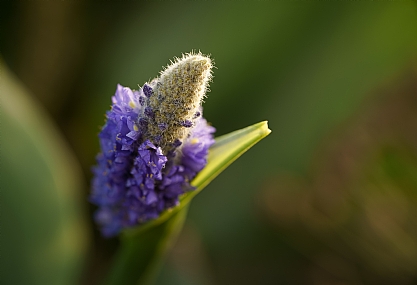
{"x":330,"y":197}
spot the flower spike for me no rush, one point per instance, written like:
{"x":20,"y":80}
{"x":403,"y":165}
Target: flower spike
{"x":154,"y":142}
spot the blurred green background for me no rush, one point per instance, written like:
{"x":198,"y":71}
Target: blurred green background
{"x":330,"y":197}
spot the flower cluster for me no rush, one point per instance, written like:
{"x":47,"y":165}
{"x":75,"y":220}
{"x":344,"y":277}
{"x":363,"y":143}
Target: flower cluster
{"x":154,"y":142}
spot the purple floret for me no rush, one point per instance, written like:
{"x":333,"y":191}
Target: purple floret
{"x":187,"y":124}
{"x":195,"y":149}
{"x":147,"y":90}
{"x":133,"y":180}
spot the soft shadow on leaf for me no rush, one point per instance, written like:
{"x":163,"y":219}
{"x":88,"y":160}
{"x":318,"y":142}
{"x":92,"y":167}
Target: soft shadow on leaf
{"x":143,"y":248}
{"x":43,"y":228}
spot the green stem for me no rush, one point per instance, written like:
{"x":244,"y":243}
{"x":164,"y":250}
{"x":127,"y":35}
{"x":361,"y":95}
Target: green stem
{"x":140,"y":256}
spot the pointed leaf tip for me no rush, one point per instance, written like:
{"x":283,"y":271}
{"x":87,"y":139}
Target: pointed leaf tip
{"x":226,"y":150}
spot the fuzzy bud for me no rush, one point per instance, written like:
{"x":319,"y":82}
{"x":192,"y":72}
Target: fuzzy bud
{"x":176,"y":98}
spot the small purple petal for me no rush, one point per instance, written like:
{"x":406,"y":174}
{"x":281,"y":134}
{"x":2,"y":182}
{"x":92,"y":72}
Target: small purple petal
{"x":147,"y":90}
{"x":187,"y":124}
{"x":176,"y":143}
{"x":163,"y":126}
{"x":197,"y":114}
{"x":141,"y":100}
{"x":149,"y":112}
{"x":143,"y":122}
{"x":158,"y":139}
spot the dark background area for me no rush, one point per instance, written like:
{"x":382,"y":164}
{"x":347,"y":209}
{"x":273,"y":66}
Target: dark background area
{"x":330,"y":197}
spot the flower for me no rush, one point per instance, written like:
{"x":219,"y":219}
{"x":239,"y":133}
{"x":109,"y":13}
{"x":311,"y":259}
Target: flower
{"x":154,"y":142}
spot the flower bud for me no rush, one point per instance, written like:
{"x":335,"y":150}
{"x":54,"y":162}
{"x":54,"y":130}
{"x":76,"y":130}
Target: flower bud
{"x":176,"y":99}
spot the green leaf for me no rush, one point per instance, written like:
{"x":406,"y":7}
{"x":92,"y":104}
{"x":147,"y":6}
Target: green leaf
{"x":143,"y":248}
{"x":43,"y":230}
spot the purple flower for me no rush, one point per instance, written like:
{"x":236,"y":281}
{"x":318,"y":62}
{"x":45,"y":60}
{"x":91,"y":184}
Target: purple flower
{"x":146,"y":162}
